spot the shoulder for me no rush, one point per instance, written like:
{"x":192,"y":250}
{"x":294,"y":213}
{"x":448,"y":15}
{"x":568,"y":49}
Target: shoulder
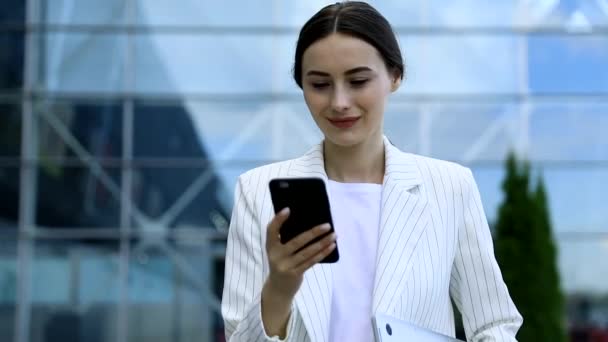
{"x":434,"y":165}
{"x":261,"y":175}
{"x":439,"y":171}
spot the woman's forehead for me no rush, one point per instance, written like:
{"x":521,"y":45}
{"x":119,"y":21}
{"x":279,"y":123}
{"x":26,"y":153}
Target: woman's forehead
{"x":338,"y":52}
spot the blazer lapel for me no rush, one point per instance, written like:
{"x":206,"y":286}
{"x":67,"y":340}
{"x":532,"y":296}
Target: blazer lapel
{"x":313,"y":300}
{"x":403,"y":219}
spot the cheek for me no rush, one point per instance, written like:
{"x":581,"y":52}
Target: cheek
{"x":372,"y":99}
{"x":314,"y":101}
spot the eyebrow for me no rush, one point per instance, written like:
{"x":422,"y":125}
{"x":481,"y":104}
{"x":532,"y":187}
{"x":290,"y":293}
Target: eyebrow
{"x":348,"y":72}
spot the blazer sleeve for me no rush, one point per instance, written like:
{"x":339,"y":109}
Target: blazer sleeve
{"x":476,"y":285}
{"x":244,"y":276}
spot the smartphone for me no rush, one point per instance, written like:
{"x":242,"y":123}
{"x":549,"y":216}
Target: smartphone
{"x":308,"y":205}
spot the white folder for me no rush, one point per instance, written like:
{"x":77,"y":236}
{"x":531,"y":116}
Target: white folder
{"x":391,"y":329}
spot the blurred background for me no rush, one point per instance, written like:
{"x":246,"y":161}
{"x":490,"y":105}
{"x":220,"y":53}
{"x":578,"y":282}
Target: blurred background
{"x":125,"y":123}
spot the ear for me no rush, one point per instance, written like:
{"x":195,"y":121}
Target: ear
{"x":396,"y":82}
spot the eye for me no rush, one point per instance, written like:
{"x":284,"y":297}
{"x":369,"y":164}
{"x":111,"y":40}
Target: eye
{"x":359,"y":82}
{"x":319,"y":85}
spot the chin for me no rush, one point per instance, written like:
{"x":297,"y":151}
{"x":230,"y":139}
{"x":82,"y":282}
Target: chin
{"x":344,"y":139}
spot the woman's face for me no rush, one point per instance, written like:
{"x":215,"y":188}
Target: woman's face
{"x":346,"y":85}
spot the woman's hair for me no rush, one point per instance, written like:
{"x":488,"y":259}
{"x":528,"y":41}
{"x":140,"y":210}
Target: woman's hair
{"x":354,"y":18}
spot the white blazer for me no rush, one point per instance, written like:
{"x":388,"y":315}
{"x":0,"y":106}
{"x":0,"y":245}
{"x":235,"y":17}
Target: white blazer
{"x":434,"y":245}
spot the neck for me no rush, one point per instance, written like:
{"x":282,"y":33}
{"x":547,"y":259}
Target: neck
{"x":361,"y":163}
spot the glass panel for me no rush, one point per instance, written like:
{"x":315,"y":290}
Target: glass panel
{"x":10,"y":130}
{"x":487,"y":131}
{"x":66,"y":127}
{"x":8,"y":287}
{"x":471,"y":131}
{"x":582,"y":66}
{"x":9,"y":201}
{"x":402,"y":126}
{"x":90,"y":12}
{"x":476,"y":64}
{"x":75,"y":291}
{"x":75,"y":196}
{"x":579,"y":222}
{"x":84,"y":62}
{"x":576,"y":202}
{"x":168,"y":131}
{"x":171,"y":293}
{"x":157,"y":190}
{"x":569,"y":130}
{"x":435,"y":13}
{"x":569,"y":14}
{"x":11,"y":60}
{"x":214,"y":64}
{"x":232,"y":131}
{"x":583,"y":266}
{"x":259,"y":13}
{"x":472,"y":13}
{"x":13,"y":12}
{"x":575,"y":15}
{"x":206,"y":13}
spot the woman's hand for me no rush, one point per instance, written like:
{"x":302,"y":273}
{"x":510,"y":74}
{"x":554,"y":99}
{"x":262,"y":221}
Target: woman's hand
{"x":288,"y":262}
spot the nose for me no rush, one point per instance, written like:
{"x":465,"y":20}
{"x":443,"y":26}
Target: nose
{"x":341,"y":100}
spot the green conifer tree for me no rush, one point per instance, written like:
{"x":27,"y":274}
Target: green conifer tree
{"x":527,"y":255}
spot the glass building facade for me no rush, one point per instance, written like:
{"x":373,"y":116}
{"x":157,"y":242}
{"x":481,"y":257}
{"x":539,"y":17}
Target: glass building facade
{"x":125,"y":123}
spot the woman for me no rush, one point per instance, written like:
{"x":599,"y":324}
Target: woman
{"x":412,"y":232}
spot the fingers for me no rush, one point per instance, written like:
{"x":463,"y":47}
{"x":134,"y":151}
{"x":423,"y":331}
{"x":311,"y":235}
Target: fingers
{"x":277,"y":221}
{"x":305,"y":238}
{"x":311,"y":251}
{"x":301,"y":268}
{"x":296,"y":256}
{"x":297,"y":263}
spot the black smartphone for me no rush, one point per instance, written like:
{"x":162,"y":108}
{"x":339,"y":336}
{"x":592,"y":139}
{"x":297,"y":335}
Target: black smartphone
{"x":308,"y":205}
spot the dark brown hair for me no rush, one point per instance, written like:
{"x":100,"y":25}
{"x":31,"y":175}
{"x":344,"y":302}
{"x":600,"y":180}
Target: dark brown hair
{"x":354,"y":18}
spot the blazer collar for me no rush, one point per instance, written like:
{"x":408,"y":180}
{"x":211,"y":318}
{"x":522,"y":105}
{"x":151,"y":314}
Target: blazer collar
{"x":399,"y":167}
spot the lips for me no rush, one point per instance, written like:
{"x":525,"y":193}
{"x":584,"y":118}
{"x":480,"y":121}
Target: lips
{"x":344,"y":122}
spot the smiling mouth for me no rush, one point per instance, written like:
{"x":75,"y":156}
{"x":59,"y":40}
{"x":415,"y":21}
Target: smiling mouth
{"x":344,"y":122}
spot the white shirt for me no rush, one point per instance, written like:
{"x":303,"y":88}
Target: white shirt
{"x":355,"y":209}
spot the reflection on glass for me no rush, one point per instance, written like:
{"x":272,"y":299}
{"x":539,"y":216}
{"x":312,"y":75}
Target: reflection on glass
{"x":582,"y":66}
{"x":9,"y":201}
{"x":402,"y":126}
{"x":477,"y":64}
{"x":72,"y":196}
{"x":90,"y":12}
{"x":83,"y":62}
{"x":576,"y":202}
{"x":205,"y":13}
{"x":11,"y":60}
{"x":468,"y":132}
{"x":236,"y":64}
{"x":167,"y":131}
{"x":8,"y":287}
{"x":583,"y":266}
{"x":10,"y":130}
{"x":471,"y":13}
{"x":13,"y":12}
{"x":227,"y":131}
{"x":65,"y":127}
{"x":169,"y":292}
{"x":74,"y":291}
{"x":180,"y":197}
{"x":579,"y":125}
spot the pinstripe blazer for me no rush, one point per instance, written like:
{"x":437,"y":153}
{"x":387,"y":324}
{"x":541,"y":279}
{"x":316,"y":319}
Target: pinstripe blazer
{"x":434,"y":244}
